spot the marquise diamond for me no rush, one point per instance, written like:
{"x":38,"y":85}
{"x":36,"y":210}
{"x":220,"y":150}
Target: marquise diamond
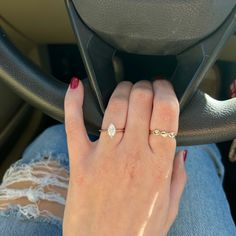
{"x":111,"y":130}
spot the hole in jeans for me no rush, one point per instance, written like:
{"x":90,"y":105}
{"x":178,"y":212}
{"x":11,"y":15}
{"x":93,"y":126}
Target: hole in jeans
{"x":37,"y":189}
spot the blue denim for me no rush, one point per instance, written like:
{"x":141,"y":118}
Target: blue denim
{"x":204,"y":210}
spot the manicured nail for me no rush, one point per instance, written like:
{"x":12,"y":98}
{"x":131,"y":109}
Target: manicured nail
{"x":74,"y":83}
{"x":185,"y":155}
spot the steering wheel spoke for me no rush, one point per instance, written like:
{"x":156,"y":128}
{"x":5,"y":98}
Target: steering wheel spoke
{"x":194,"y":63}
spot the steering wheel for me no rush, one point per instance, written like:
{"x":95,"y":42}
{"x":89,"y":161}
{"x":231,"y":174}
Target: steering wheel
{"x":194,"y":33}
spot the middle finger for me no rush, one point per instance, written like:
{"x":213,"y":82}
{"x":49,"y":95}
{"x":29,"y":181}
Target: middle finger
{"x":139,"y":113}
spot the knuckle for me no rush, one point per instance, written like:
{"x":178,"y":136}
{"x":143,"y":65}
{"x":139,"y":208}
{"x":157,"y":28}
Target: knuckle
{"x":118,"y":103}
{"x":71,"y":122}
{"x":133,"y":152}
{"x":143,"y":93}
{"x":162,"y":169}
{"x":159,"y":172}
{"x":169,"y":107}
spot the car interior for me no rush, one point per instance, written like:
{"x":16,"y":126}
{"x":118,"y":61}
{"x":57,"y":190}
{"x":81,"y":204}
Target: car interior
{"x":43,"y":44}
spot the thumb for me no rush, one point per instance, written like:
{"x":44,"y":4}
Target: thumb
{"x":77,"y":138}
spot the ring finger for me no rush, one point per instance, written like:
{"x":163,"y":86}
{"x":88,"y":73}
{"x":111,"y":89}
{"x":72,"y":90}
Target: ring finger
{"x":116,"y":113}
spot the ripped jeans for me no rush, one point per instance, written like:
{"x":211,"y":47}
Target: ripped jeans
{"x":204,"y":210}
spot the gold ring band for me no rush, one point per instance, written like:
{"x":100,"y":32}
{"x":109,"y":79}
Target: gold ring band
{"x":163,"y":133}
{"x":117,"y":130}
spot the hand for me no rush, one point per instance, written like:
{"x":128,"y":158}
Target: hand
{"x":129,"y":184}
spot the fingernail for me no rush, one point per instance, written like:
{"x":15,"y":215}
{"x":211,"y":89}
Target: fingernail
{"x":74,"y":83}
{"x":185,"y":155}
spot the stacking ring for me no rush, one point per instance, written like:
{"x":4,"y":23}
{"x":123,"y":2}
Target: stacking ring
{"x":112,"y":130}
{"x":163,"y":133}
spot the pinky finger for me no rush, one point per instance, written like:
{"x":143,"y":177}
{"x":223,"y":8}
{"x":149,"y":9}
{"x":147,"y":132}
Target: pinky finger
{"x":178,"y":181}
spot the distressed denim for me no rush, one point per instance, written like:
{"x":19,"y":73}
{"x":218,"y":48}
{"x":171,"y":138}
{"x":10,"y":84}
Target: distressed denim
{"x":204,"y":210}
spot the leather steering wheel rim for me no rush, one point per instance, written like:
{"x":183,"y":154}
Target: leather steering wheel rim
{"x":203,"y":120}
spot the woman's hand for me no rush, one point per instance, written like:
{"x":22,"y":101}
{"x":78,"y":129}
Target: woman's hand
{"x":129,"y":184}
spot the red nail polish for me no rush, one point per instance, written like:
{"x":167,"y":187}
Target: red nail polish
{"x":185,"y":155}
{"x":74,"y":83}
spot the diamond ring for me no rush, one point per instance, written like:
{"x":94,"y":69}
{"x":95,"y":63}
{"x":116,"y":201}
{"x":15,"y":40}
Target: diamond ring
{"x":163,"y":133}
{"x":112,"y":130}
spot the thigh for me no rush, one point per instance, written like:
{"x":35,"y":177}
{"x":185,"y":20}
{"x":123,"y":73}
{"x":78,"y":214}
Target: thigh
{"x":204,"y":210}
{"x":33,"y":190}
{"x":14,"y":225}
{"x":51,"y":144}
